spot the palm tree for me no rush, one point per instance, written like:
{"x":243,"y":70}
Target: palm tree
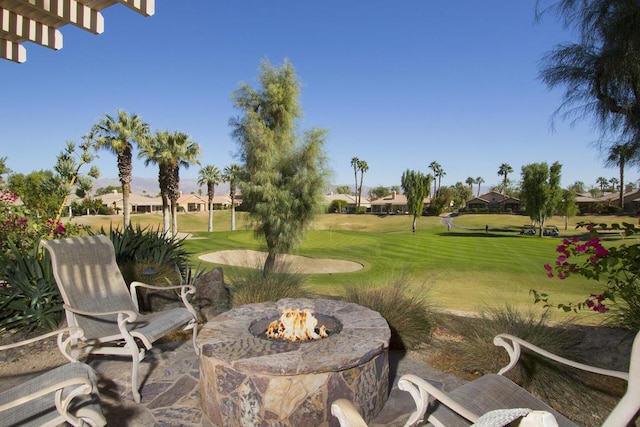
{"x":621,"y":155}
{"x":362,"y":167}
{"x":156,"y":151}
{"x":602,"y":181}
{"x":118,"y":135}
{"x":504,"y":170}
{"x":470,"y":181}
{"x":210,"y":176}
{"x":479,"y":180}
{"x":354,"y":163}
{"x":233,"y":175}
{"x":436,"y":168}
{"x":184,"y":152}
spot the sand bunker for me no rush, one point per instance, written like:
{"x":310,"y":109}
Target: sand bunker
{"x":295,"y":263}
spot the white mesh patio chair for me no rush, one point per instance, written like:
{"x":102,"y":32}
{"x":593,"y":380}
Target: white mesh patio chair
{"x":96,"y":299}
{"x":494,"y":393}
{"x":67,"y":393}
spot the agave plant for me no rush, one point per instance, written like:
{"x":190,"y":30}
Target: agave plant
{"x":29,"y":297}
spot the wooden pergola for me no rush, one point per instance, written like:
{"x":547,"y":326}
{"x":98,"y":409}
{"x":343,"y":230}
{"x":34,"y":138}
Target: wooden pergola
{"x":39,"y":21}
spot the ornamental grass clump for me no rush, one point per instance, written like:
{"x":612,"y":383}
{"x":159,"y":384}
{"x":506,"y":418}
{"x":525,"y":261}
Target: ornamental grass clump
{"x":409,"y":315}
{"x":250,"y":286}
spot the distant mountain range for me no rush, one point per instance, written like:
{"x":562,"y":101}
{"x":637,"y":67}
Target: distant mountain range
{"x":150,"y":185}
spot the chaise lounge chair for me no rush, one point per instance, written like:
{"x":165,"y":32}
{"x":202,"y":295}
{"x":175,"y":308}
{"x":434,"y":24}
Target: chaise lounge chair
{"x":490,"y":393}
{"x":96,"y":299}
{"x":67,"y":393}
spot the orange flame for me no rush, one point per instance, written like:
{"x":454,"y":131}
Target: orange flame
{"x":296,"y":325}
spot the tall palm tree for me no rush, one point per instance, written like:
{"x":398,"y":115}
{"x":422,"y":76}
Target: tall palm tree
{"x":184,"y":152}
{"x":435,"y":167}
{"x":470,"y":181}
{"x":233,"y":175}
{"x":621,"y":155}
{"x":602,"y":181}
{"x":119,"y":134}
{"x":504,"y":170}
{"x":479,"y":180}
{"x":156,"y":151}
{"x":210,"y":176}
{"x":354,"y":163}
{"x":362,"y":167}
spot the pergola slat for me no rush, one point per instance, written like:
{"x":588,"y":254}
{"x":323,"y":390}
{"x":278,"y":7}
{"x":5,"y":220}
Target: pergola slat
{"x":38,"y":21}
{"x":13,"y":24}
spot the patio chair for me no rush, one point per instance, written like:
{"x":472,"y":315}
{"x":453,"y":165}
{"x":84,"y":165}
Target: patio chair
{"x":67,"y":393}
{"x":464,"y":405}
{"x":96,"y":299}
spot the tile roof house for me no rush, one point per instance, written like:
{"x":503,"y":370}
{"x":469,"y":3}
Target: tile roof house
{"x":494,"y":201}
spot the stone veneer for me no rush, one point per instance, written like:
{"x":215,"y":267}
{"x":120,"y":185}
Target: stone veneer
{"x":251,"y":381}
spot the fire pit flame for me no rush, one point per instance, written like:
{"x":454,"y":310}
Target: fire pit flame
{"x":296,"y":325}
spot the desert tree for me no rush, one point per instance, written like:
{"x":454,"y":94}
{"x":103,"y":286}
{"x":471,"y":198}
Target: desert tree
{"x":4,"y":170}
{"x":599,"y":72}
{"x":436,"y":168}
{"x":119,"y":134}
{"x":233,"y":175}
{"x":479,"y":180}
{"x":343,"y":189}
{"x":603,"y":182}
{"x":416,"y":187}
{"x":363,"y":167}
{"x":470,"y":181}
{"x":621,"y":155}
{"x":155,"y":150}
{"x":567,"y":207}
{"x":210,"y":176}
{"x":183,"y":153}
{"x":541,"y":190}
{"x":355,"y":162}
{"x":285,"y":170}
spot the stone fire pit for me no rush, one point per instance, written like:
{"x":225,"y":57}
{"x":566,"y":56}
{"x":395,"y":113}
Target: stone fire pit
{"x":248,"y":379}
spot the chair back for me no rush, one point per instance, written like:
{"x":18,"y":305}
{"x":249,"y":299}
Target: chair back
{"x":629,"y":405}
{"x":89,"y":279}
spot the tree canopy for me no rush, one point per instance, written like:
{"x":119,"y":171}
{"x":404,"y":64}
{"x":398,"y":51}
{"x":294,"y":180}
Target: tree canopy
{"x":286,"y":171}
{"x":541,"y":190}
{"x":416,"y":188}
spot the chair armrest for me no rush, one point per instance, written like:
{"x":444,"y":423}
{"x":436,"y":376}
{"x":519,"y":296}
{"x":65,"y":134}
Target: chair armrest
{"x":513,"y":344}
{"x":73,"y":331}
{"x":185,"y":291}
{"x":420,"y":390}
{"x":144,"y":285}
{"x":347,"y":414}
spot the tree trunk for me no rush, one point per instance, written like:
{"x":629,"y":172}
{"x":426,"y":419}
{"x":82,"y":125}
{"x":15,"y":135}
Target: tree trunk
{"x":210,"y":228}
{"x":413,"y":225}
{"x":126,"y":210}
{"x":165,"y":214}
{"x":174,"y":217}
{"x":233,"y":211}
{"x":269,"y":263}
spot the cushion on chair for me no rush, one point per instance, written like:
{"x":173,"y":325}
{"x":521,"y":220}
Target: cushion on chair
{"x":37,"y":412}
{"x":487,"y":393}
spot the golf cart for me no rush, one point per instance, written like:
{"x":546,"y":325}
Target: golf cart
{"x":528,"y":229}
{"x":550,"y":230}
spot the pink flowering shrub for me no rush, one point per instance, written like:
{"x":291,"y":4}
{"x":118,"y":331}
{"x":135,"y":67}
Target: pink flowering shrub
{"x":617,"y":268}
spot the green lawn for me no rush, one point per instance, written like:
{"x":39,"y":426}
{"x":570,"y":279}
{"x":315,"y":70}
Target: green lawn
{"x":460,"y":270}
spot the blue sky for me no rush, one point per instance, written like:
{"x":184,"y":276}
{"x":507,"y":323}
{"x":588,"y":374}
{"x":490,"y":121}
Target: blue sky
{"x":398,"y":84}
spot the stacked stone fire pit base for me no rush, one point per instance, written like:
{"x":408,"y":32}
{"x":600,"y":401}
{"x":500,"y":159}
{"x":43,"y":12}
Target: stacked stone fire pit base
{"x":249,"y":380}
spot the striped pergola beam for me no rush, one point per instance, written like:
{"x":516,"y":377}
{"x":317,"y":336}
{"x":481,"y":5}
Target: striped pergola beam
{"x":38,"y":21}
